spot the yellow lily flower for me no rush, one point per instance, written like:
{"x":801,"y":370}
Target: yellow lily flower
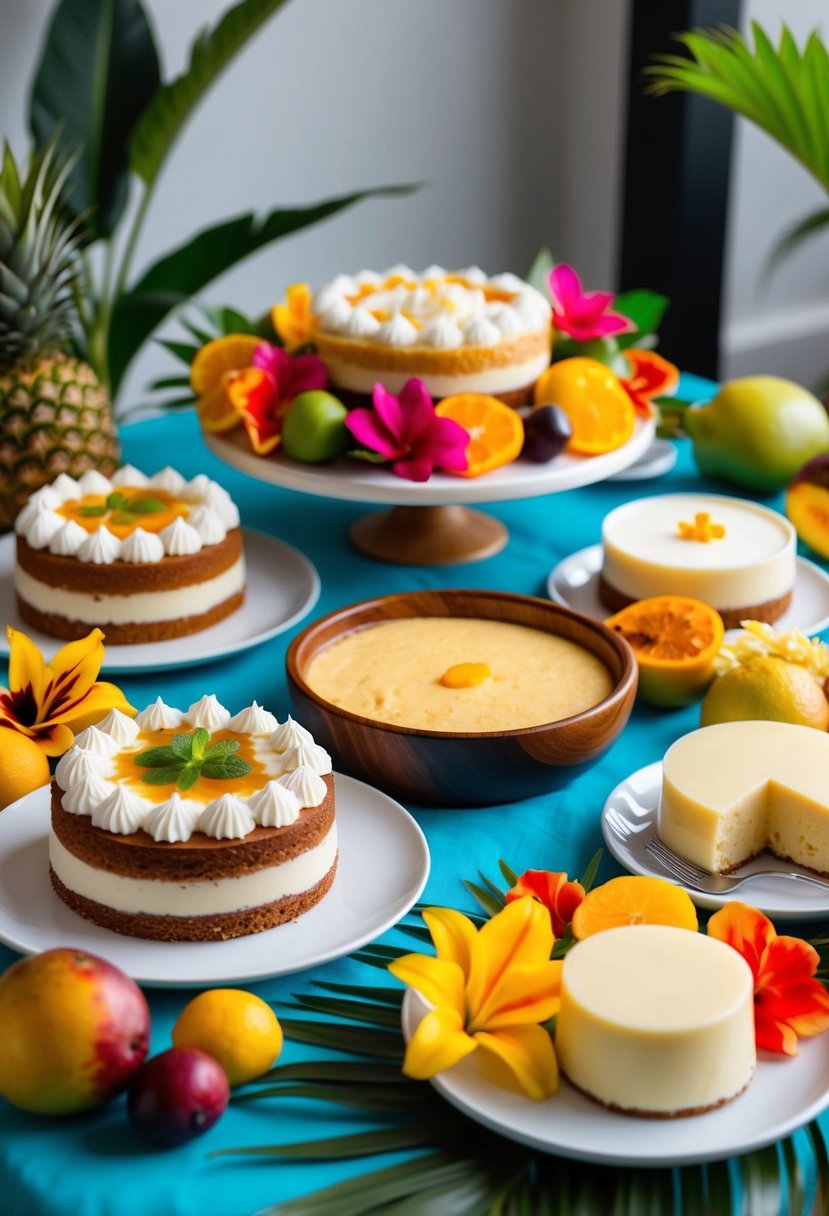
{"x":489,"y":988}
{"x":51,"y":703}
{"x":293,"y":319}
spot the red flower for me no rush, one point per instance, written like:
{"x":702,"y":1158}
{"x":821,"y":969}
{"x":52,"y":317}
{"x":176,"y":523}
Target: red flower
{"x":651,"y":376}
{"x":788,"y":1000}
{"x":559,"y":896}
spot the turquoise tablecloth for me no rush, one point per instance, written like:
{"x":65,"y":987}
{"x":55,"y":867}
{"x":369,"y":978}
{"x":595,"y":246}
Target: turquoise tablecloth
{"x":94,"y":1165}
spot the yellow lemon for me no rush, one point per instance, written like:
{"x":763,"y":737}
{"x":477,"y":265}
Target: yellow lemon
{"x":235,"y":1027}
{"x":768,"y":688}
{"x":23,"y":766}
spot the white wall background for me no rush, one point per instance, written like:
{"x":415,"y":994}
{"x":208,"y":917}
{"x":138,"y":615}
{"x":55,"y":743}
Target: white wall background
{"x":510,"y":110}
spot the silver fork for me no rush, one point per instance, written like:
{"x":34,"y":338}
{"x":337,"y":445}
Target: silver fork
{"x":717,"y":884}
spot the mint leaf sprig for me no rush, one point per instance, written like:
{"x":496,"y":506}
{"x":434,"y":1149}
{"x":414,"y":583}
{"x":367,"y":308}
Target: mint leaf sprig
{"x":125,"y":510}
{"x":189,"y":757}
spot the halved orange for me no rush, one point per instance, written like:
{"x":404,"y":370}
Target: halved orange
{"x":228,"y":354}
{"x":675,"y":640}
{"x":633,"y":900}
{"x":216,"y":411}
{"x":496,"y":432}
{"x":599,"y":409}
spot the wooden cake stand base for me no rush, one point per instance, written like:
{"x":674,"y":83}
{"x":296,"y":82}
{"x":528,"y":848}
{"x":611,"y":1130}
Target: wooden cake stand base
{"x":428,"y":536}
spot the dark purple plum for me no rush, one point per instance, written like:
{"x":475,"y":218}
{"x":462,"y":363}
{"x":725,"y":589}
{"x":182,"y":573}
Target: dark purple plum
{"x":546,"y":432}
{"x":177,"y":1096}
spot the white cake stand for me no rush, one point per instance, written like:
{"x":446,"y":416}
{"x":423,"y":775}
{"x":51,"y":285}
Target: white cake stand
{"x":429,"y":523}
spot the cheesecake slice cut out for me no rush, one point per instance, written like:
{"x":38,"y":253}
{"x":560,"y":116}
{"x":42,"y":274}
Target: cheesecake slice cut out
{"x":733,"y":790}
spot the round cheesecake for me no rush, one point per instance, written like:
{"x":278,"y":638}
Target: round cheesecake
{"x":143,"y":558}
{"x":656,"y":1021}
{"x":244,"y":841}
{"x":732,"y":790}
{"x":457,"y":331}
{"x":734,"y":555}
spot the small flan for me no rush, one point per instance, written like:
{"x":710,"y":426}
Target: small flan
{"x":732,"y":790}
{"x":457,"y":331}
{"x":143,"y":558}
{"x":656,"y":1021}
{"x":193,"y":826}
{"x":734,"y":555}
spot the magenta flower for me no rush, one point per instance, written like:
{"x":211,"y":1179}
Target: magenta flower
{"x":583,"y":315}
{"x":406,"y":430}
{"x":292,"y":374}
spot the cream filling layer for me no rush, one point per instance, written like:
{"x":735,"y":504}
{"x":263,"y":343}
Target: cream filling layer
{"x":141,"y":608}
{"x":494,"y":380}
{"x":155,"y":897}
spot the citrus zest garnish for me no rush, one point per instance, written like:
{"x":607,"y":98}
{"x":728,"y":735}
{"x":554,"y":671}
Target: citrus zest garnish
{"x":676,"y":640}
{"x":701,"y":529}
{"x":465,"y":675}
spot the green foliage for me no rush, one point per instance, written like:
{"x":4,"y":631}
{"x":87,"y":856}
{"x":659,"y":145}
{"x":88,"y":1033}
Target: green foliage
{"x":97,"y":90}
{"x":783,"y":90}
{"x":460,"y":1166}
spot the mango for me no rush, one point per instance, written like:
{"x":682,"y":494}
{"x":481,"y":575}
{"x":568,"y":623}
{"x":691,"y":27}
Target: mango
{"x":807,"y":504}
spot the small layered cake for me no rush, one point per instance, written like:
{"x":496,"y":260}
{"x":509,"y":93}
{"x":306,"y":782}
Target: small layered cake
{"x":143,"y":558}
{"x":193,"y":826}
{"x":456,"y":331}
{"x":656,"y":1021}
{"x":734,"y":555}
{"x":732,"y":790}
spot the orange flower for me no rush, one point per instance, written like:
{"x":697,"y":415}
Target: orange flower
{"x":559,"y":897}
{"x":788,"y":1000}
{"x":651,"y":376}
{"x":293,"y":320}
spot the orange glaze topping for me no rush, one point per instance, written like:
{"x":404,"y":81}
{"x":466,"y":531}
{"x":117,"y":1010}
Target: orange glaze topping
{"x":128,"y":773}
{"x":124,"y":510}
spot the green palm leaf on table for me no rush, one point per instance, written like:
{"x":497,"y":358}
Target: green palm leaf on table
{"x":460,"y":1168}
{"x":783,"y":90}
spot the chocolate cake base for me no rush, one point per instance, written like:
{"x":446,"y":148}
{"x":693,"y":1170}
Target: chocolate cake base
{"x":768,"y":612}
{"x":195,"y":928}
{"x":58,"y":626}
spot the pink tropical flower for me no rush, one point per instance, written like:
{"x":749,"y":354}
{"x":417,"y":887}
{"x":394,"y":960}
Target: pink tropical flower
{"x":406,"y":430}
{"x":583,"y":315}
{"x":292,"y":374}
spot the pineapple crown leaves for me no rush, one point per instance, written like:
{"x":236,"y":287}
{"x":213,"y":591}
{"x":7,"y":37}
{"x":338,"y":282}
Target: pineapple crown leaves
{"x":188,"y":757}
{"x":38,"y":255}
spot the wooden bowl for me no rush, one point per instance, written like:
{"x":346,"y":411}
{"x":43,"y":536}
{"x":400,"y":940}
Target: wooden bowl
{"x":442,"y":767}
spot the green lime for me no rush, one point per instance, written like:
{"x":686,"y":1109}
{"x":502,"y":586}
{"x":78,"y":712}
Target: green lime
{"x":314,"y":428}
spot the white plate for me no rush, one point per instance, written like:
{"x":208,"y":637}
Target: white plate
{"x":383,"y":867}
{"x":784,"y":1093}
{"x":357,"y":481}
{"x":629,"y":822}
{"x":282,"y":587}
{"x":574,"y":582}
{"x":658,"y":460}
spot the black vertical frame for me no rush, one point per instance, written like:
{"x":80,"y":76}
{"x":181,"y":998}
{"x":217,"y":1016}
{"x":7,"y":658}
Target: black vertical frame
{"x":676,"y":177}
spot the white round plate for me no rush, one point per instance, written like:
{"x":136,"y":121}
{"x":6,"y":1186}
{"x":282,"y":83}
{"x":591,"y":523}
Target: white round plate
{"x":383,"y":867}
{"x":574,"y":582}
{"x":282,"y":587}
{"x":658,"y":460}
{"x":358,"y":481}
{"x":629,"y":822}
{"x":785,"y":1092}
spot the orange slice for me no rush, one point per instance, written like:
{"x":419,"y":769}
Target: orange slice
{"x":496,"y":432}
{"x":599,"y":409}
{"x":216,"y":358}
{"x":216,"y":411}
{"x":633,"y":900}
{"x":675,"y":640}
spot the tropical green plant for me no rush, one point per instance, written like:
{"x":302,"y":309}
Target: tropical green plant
{"x":98,"y":88}
{"x":783,"y":90}
{"x":460,"y":1166}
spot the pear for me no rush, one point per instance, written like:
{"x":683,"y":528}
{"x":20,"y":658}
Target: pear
{"x":758,"y":431}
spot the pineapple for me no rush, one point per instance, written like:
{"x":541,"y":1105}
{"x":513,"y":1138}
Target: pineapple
{"x":55,"y":417}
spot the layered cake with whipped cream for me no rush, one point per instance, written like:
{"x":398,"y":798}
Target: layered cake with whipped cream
{"x":195,"y":826}
{"x":143,"y":558}
{"x":656,"y":1021}
{"x":457,"y":331}
{"x":734,"y":555}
